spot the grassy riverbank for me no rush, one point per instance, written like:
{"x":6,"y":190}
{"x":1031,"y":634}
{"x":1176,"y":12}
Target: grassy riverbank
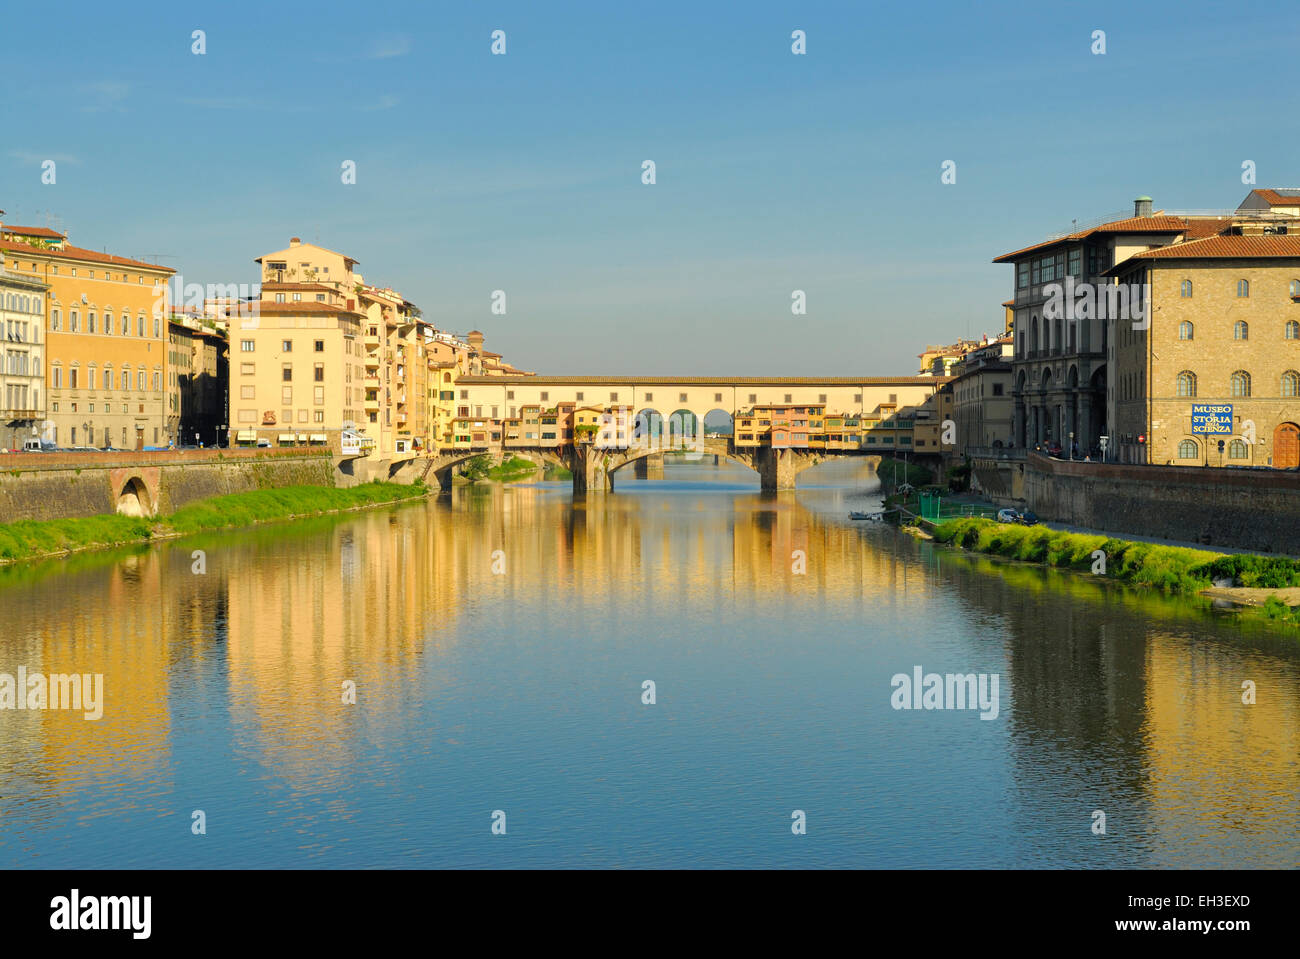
{"x":30,"y":539}
{"x":1170,"y":569}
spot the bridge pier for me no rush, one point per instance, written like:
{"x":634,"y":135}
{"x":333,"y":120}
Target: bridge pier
{"x":777,"y":468}
{"x":591,"y":470}
{"x":650,"y":467}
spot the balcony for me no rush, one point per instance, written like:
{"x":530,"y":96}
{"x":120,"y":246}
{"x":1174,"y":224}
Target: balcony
{"x":371,"y":383}
{"x":372,"y":342}
{"x":372,"y":402}
{"x":372,"y":360}
{"x":18,"y":414}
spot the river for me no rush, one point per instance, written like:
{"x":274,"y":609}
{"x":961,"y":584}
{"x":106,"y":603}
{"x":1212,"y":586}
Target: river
{"x":500,"y":638}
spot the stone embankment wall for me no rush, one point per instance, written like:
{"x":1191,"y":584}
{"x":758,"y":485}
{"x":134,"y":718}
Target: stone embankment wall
{"x":1256,"y":510}
{"x":41,"y":486}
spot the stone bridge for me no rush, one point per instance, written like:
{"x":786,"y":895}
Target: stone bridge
{"x":594,"y":467}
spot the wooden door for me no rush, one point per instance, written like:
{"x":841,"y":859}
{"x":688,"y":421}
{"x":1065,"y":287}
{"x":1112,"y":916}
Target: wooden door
{"x":1286,"y":446}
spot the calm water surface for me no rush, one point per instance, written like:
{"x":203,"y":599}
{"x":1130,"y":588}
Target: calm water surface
{"x":521,"y":691}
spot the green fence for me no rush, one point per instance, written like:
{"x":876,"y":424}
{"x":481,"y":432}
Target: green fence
{"x":936,"y":508}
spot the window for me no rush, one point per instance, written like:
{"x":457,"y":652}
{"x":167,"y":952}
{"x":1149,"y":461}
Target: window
{"x":1293,"y":330}
{"x":464,"y":394}
{"x":90,"y":322}
{"x":157,"y":380}
{"x":157,"y":327}
{"x":1295,"y":288}
{"x":247,"y":392}
{"x":1241,"y":383}
{"x":72,"y":378}
{"x":1076,"y":261}
{"x":1187,"y":450}
{"x":286,"y":346}
{"x":246,"y":369}
{"x":578,"y":397}
{"x":319,"y":373}
{"x":108,"y":379}
{"x":319,"y":396}
{"x":126,"y":382}
{"x":246,"y":346}
{"x":1186,"y":383}
{"x":1022,"y":275}
{"x":318,"y":416}
{"x":1243,"y":288}
{"x":1291,"y":383}
{"x":139,"y":325}
{"x":510,"y":394}
{"x":320,"y":346}
{"x":787,"y":398}
{"x":1186,"y":291}
{"x":286,"y":396}
{"x":613,"y":397}
{"x":58,"y":377}
{"x":1186,"y":330}
{"x":279,"y":297}
{"x":1241,"y":330}
{"x":1237,"y":450}
{"x":55,"y":320}
{"x":286,"y":372}
{"x":76,"y":322}
{"x":140,"y":381}
{"x":681,"y":398}
{"x":126,"y":325}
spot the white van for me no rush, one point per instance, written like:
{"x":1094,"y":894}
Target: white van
{"x":32,"y":446}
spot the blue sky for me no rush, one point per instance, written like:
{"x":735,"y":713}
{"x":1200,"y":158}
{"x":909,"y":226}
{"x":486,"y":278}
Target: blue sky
{"x":522,"y":172}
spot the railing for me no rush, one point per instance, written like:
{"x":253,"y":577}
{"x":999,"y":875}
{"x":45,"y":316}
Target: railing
{"x":1012,"y":454}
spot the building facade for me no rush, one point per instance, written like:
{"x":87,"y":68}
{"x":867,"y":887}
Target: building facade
{"x":106,"y":342}
{"x":1224,"y":339}
{"x":22,"y":343}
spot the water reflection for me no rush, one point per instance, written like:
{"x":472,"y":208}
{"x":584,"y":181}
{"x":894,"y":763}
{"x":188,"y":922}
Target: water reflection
{"x":498,"y":639}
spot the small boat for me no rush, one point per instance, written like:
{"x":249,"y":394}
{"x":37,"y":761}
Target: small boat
{"x":859,"y":515}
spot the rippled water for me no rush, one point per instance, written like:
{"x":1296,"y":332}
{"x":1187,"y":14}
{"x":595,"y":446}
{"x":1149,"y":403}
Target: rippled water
{"x":521,"y":691}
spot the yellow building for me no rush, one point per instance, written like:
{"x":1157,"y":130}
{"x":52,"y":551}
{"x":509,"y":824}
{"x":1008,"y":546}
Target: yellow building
{"x":106,"y":340}
{"x":1223,"y":334}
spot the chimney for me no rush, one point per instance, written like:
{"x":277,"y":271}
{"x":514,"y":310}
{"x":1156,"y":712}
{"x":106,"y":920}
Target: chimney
{"x":1142,"y":206}
{"x":294,"y":241}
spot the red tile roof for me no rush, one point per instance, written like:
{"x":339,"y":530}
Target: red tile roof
{"x":1220,"y":247}
{"x":86,"y":256}
{"x":35,"y":231}
{"x":1157,"y":223}
{"x":1273,"y":198}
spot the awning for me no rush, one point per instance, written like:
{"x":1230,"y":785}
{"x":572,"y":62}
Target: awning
{"x":319,"y":438}
{"x":246,"y":436}
{"x":302,"y":437}
{"x":285,"y":438}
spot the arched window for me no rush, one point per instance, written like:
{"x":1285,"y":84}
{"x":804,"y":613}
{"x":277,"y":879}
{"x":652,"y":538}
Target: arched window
{"x":1295,"y":288}
{"x":1186,"y":383}
{"x":1237,"y":450}
{"x":1241,"y":330}
{"x":1187,"y":450}
{"x":1291,"y":383}
{"x":1033,"y":336}
{"x":1293,"y":329}
{"x":1186,"y":288}
{"x":1185,"y":330}
{"x":1241,"y":383}
{"x":1243,"y":288}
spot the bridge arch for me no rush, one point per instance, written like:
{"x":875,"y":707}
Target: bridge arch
{"x":133,"y":499}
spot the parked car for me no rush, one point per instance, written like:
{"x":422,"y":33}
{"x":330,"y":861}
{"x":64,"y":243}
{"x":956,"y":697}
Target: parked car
{"x":1029,"y":518}
{"x":1008,"y":516}
{"x":264,"y":444}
